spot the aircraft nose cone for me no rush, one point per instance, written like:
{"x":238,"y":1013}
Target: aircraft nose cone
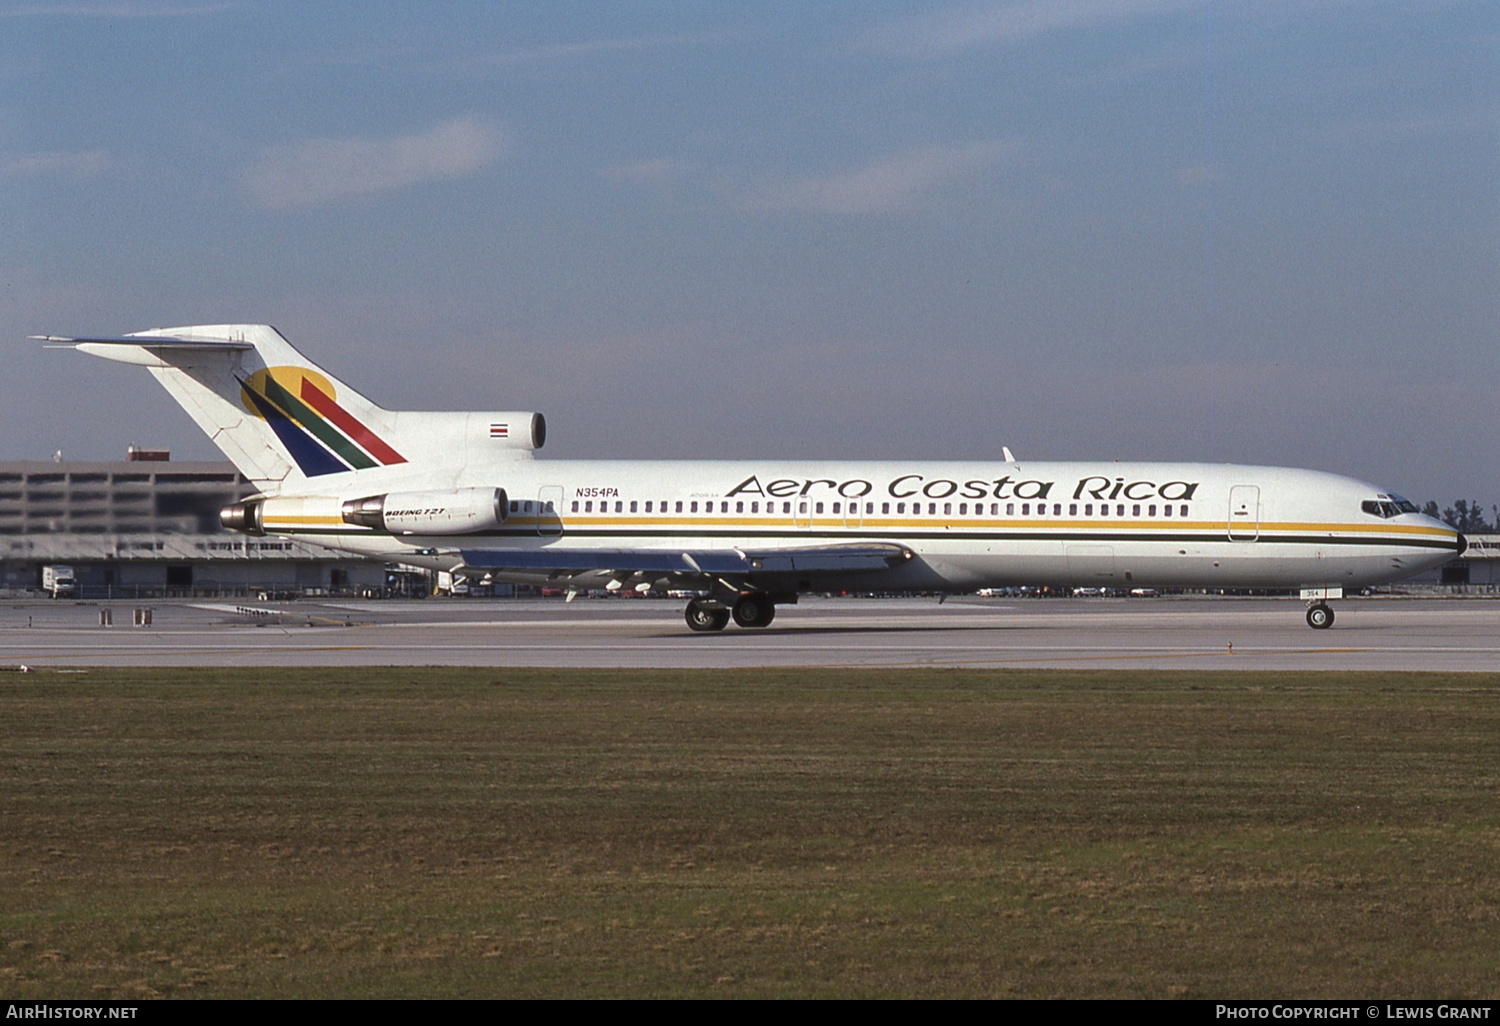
{"x":1463,"y":544}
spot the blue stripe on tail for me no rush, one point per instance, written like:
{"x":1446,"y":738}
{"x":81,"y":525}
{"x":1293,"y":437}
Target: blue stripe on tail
{"x":312,"y":458}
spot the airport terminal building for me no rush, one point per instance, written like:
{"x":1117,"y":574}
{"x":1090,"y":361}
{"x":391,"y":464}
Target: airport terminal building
{"x":1478,"y":571}
{"x":147,"y":527}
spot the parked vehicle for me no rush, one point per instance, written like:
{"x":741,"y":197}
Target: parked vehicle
{"x":453,"y":584}
{"x":58,"y":581}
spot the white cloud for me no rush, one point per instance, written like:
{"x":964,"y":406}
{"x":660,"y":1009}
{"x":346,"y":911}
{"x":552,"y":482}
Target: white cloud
{"x":593,"y":47}
{"x":321,"y":170}
{"x":114,"y":11}
{"x":1413,"y":126}
{"x":978,"y":25}
{"x":84,"y":164}
{"x":898,"y":182}
{"x":659,"y":169}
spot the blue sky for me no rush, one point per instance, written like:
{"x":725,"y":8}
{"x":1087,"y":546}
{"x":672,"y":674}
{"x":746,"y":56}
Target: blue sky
{"x":1138,"y":229}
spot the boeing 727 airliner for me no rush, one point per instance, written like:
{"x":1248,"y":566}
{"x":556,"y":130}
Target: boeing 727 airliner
{"x":463,"y":492}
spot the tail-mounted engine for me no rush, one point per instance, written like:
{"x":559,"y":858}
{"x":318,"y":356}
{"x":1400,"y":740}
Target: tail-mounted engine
{"x":282,"y":515}
{"x":464,"y":439}
{"x":460,"y":511}
{"x":456,"y":511}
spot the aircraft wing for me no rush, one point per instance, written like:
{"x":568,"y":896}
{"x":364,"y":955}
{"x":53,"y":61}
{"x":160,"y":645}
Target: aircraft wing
{"x":709,"y":562}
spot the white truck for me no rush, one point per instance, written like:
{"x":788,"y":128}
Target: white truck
{"x":58,"y":581}
{"x":453,"y":584}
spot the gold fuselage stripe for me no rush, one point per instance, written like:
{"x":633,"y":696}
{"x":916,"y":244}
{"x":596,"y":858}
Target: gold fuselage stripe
{"x":874,"y":525}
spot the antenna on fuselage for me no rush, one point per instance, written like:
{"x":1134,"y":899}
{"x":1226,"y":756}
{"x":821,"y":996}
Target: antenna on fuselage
{"x":1005,"y":451}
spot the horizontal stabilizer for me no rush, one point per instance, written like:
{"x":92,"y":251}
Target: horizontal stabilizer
{"x":148,"y":341}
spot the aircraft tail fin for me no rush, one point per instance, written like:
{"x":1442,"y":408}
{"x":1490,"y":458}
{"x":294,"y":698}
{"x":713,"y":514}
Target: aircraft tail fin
{"x":284,"y":421}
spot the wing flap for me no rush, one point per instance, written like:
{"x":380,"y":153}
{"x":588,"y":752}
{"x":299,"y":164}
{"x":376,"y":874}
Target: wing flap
{"x":829,"y":558}
{"x":631,"y":560}
{"x":814,"y":559}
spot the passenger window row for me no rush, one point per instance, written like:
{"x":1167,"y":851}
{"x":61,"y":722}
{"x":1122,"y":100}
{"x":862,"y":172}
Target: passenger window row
{"x":753,"y":507}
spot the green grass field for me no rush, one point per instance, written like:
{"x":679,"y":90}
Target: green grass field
{"x":522,"y":833}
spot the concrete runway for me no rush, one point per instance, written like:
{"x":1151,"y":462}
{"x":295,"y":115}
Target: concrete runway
{"x":1255,"y":634}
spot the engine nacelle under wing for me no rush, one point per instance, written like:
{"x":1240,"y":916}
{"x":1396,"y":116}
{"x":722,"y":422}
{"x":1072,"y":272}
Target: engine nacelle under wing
{"x":457,"y":511}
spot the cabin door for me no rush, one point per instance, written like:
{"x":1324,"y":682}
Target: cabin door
{"x":1244,"y":513}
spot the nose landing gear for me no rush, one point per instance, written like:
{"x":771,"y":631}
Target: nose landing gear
{"x":1320,"y":616}
{"x":1319,"y":612}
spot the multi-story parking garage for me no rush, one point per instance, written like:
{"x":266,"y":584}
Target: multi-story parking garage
{"x":150,"y":527}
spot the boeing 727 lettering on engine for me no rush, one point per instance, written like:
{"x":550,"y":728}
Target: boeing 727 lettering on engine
{"x":462,"y":492}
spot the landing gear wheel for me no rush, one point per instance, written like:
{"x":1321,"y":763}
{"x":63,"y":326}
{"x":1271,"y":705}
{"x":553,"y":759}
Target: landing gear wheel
{"x":701,"y":617}
{"x":754,"y":611}
{"x":1319,"y":617}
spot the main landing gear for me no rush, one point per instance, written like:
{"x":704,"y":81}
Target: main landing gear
{"x":702,"y":615}
{"x":754,"y":611}
{"x":750,"y":610}
{"x":1320,"y":616}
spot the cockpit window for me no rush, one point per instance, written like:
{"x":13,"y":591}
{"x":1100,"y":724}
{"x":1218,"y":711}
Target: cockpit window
{"x":1387,"y":506}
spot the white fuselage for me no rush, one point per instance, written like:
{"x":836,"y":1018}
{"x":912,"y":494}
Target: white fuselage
{"x":969,"y":525}
{"x":462,"y":492}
